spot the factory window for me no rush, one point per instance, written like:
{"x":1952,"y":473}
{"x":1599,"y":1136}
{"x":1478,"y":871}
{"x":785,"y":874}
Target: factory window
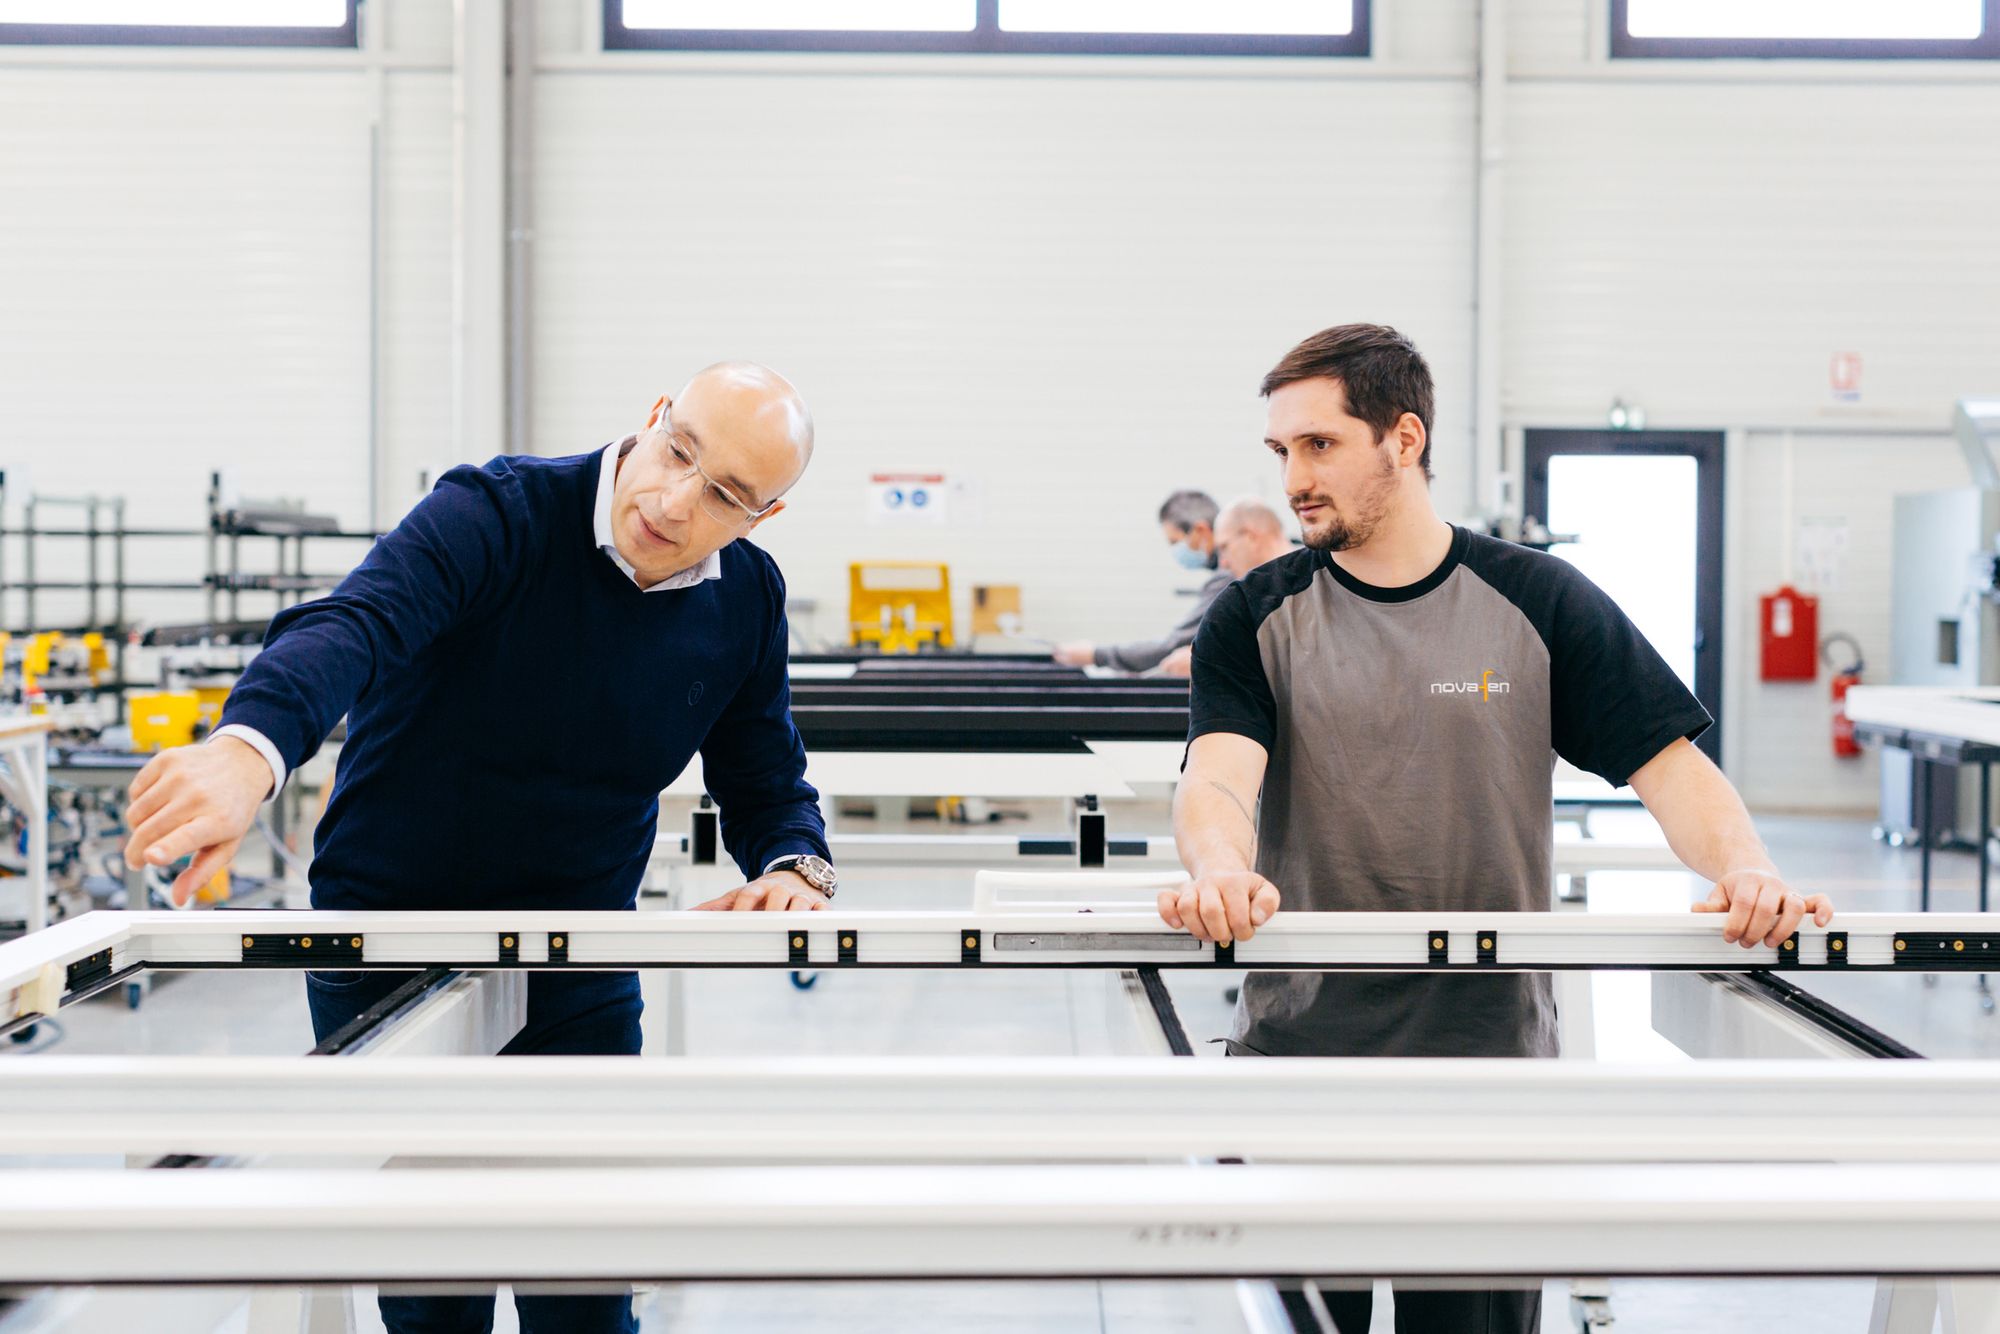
{"x":1118,"y":27}
{"x":183,"y":23}
{"x":1807,"y":29}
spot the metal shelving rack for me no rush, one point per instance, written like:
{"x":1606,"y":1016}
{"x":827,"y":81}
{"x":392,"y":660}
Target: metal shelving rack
{"x":99,"y":523}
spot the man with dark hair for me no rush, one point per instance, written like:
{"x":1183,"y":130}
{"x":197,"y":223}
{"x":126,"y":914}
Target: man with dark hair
{"x":1187,"y":521}
{"x":1394,"y":691}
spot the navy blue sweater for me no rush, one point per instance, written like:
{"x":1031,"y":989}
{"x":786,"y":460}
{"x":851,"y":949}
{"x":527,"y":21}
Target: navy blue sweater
{"x":515,"y":704}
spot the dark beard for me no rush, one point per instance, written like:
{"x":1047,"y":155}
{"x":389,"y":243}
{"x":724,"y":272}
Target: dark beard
{"x":1336,"y":536}
{"x":1340,"y":535}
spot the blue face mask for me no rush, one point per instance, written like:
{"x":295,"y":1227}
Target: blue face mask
{"x":1187,"y":557}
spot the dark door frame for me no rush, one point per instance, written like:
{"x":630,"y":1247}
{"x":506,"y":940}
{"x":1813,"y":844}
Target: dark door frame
{"x":1705,"y":447}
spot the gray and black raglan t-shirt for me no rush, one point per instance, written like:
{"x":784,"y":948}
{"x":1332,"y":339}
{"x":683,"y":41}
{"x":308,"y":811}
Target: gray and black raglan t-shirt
{"x":1410,"y":733}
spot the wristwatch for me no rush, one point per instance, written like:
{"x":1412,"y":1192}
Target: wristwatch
{"x":815,"y":871}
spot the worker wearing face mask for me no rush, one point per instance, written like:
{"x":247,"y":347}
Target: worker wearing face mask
{"x":1187,"y":522}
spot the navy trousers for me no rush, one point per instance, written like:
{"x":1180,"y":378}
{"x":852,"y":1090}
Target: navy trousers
{"x":569,"y":1014}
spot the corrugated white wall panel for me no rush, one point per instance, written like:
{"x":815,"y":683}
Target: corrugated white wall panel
{"x":416,"y":277}
{"x":1551,"y":32}
{"x":1427,"y":32}
{"x":1705,"y":249}
{"x":415,"y":28}
{"x":1062,"y":290}
{"x":184,"y":257}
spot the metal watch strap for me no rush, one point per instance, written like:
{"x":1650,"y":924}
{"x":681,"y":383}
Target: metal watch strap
{"x":792,"y":862}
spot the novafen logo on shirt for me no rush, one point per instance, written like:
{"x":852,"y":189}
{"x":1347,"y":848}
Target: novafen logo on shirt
{"x":1485,"y":687}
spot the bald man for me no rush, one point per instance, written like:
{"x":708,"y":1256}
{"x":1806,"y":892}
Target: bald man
{"x":533,"y":654}
{"x":1248,"y":533}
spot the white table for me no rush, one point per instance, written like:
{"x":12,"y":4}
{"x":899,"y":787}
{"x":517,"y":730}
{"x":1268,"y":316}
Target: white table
{"x":24,"y":783}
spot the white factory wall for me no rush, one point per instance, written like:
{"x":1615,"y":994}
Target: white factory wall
{"x":1057,"y":284}
{"x":1056,"y":281}
{"x":1701,"y":239}
{"x":191,"y":257}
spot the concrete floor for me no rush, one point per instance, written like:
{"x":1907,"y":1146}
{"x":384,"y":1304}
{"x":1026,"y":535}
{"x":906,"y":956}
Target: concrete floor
{"x":1038,"y":1014}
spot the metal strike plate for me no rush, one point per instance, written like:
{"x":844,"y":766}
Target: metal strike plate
{"x":1119,"y":942}
{"x":1937,"y":949}
{"x":316,"y":948}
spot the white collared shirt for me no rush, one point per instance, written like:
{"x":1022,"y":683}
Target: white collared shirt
{"x":607,"y":479}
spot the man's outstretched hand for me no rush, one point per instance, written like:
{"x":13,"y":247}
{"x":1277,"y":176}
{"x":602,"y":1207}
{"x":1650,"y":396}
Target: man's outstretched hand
{"x":195,"y":801}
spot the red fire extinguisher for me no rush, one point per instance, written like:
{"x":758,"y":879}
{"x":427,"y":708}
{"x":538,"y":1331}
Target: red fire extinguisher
{"x":1844,"y":679}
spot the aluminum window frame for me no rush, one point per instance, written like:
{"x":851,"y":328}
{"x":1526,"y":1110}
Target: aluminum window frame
{"x":346,"y":36}
{"x":988,"y":38}
{"x":1624,"y":46}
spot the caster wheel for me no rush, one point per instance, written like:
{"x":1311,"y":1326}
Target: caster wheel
{"x":804,"y":981}
{"x":135,"y":995}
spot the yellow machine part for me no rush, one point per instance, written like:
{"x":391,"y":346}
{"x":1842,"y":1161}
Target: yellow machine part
{"x":164,"y":718}
{"x":209,"y":701}
{"x":36,"y":655}
{"x":99,"y":656}
{"x":899,"y":606}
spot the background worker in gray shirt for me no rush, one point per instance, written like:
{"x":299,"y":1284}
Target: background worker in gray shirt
{"x":1248,"y":533}
{"x":1187,"y":521}
{"x":1395,"y":691}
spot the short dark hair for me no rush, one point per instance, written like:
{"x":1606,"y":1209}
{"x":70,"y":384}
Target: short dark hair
{"x":1185,"y":509}
{"x":1382,"y":371}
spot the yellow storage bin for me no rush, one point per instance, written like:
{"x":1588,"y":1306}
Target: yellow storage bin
{"x":164,"y":718}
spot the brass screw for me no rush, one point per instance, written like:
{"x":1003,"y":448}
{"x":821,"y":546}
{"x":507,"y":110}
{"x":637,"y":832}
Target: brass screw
{"x":1791,"y":944}
{"x":798,"y":942}
{"x":847,"y":941}
{"x":1437,"y":942}
{"x":1958,"y":945}
{"x":556,"y":941}
{"x":1486,"y":942}
{"x":1902,"y":944}
{"x":248,"y":943}
{"x":507,"y":942}
{"x":306,"y":944}
{"x":1837,"y":946}
{"x":356,"y":942}
{"x":972,"y":942}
